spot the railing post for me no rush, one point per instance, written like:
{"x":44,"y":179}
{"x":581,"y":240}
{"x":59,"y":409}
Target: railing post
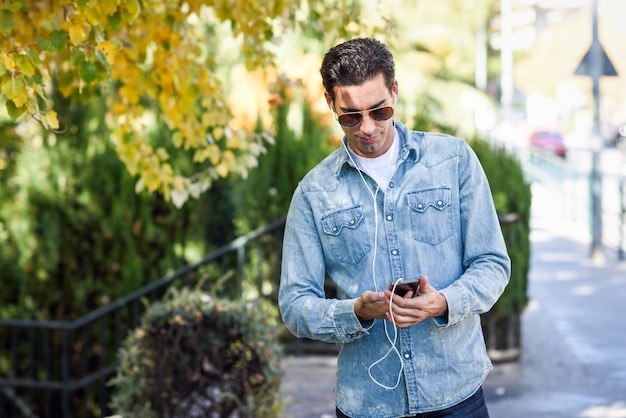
{"x":241,"y":259}
{"x":47,"y":344}
{"x":622,"y":223}
{"x":65,"y":372}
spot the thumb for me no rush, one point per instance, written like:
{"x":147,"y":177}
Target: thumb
{"x":424,"y":286}
{"x":372,"y":297}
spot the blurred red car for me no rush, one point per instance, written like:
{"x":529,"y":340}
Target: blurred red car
{"x":548,"y":140}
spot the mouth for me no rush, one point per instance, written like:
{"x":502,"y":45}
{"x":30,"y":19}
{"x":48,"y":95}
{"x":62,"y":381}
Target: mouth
{"x":369,"y":139}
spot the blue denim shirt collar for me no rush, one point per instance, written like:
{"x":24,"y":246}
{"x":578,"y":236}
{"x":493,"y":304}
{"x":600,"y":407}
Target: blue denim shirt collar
{"x":406,"y":148}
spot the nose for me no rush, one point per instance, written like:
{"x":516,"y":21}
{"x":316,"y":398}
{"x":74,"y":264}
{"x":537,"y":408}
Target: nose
{"x":368,"y":125}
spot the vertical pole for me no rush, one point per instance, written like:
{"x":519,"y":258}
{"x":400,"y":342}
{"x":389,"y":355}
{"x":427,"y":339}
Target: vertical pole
{"x":506,"y":56}
{"x":65,"y":372}
{"x":622,"y":225}
{"x":480,"y":56}
{"x":596,"y":180}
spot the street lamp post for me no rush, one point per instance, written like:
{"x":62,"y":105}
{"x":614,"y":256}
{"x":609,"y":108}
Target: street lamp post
{"x":595,"y":64}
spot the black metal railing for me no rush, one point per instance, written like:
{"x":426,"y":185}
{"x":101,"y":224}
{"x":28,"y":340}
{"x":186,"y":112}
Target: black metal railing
{"x":61,"y":368}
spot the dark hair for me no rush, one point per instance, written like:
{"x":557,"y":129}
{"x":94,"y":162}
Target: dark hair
{"x":356,"y":61}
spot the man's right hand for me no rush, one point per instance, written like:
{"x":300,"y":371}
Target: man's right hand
{"x":371,"y":305}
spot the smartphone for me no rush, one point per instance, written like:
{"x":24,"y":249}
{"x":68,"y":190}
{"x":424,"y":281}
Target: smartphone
{"x":405,"y":286}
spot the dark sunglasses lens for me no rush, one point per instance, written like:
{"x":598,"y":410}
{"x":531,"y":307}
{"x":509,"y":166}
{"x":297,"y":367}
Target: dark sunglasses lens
{"x":349,"y":119}
{"x":383,"y":113}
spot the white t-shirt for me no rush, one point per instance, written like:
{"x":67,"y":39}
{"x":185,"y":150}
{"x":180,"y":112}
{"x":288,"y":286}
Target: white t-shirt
{"x":381,"y":168}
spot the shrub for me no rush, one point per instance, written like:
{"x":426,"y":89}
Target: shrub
{"x":511,"y":194}
{"x":198,"y":356}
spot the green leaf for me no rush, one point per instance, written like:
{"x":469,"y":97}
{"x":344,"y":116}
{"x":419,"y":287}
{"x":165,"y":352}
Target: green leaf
{"x":6,"y":22}
{"x":16,"y":6}
{"x":33,"y":55}
{"x":114,"y":21}
{"x":14,"y":111}
{"x":13,"y":87}
{"x":45,"y":45}
{"x":88,"y":71}
{"x":59,"y":39}
{"x":77,"y":57}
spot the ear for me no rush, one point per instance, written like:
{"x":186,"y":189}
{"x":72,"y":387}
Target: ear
{"x":329,"y":100}
{"x":394,"y":90}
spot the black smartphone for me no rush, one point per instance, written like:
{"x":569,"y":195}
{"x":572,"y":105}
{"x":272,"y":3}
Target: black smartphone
{"x":405,"y":286}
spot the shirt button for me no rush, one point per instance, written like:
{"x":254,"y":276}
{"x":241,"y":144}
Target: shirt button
{"x":352,"y":221}
{"x":439,"y":203}
{"x":407,"y":355}
{"x":394,"y":252}
{"x":391,"y":184}
{"x":420,"y":206}
{"x":334,"y":229}
{"x":389,"y":217}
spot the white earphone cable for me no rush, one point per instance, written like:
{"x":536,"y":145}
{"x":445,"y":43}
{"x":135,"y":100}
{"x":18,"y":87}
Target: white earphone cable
{"x":392,"y":341}
{"x":392,"y":346}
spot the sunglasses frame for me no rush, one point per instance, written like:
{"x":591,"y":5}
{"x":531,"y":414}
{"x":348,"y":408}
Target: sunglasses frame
{"x":361,"y":113}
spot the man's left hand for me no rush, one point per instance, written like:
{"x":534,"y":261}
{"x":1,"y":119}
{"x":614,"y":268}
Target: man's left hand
{"x":415,"y":308}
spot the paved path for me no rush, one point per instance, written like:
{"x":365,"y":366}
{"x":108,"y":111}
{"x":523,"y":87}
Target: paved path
{"x":574,"y":336}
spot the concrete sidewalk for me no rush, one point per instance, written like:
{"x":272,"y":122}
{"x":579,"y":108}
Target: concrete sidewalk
{"x":573,"y":333}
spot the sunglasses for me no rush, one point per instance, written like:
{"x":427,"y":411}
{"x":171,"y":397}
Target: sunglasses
{"x":351,"y":119}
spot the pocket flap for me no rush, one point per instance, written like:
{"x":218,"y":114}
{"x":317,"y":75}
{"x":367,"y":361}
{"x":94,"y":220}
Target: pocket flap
{"x":347,"y":218}
{"x":437,"y":198}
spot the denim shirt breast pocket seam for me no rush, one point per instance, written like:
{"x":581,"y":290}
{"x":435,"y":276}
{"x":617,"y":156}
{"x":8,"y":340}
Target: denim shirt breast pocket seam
{"x":346,"y":234}
{"x":431,"y":217}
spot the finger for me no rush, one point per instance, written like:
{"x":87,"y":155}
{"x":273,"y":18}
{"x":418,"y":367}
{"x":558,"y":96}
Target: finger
{"x":424,"y":286}
{"x":372,"y":297}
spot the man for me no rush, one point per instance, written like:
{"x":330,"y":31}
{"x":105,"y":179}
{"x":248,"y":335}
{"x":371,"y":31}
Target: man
{"x":391,"y":205}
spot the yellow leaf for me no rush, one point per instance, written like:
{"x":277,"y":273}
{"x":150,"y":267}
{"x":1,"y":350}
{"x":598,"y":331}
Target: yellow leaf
{"x":92,"y":16}
{"x":162,"y":154}
{"x":131,"y":10}
{"x":75,"y":30}
{"x":108,"y":7}
{"x":218,"y":133}
{"x":8,"y":61}
{"x":15,"y":90}
{"x":21,"y":99}
{"x":66,"y":89}
{"x":25,"y":65}
{"x":222,"y":169}
{"x":52,"y":120}
{"x":130,"y":93}
{"x":108,"y":49}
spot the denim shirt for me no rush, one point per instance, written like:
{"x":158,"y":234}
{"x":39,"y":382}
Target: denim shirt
{"x":436,"y":218}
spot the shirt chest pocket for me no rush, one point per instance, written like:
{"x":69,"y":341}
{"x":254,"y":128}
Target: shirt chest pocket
{"x":431,"y":215}
{"x":346,"y":235}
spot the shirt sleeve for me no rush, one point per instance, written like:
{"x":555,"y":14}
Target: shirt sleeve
{"x":305,"y":310}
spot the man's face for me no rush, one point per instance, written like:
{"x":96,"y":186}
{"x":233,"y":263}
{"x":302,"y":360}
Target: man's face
{"x":369,"y":138}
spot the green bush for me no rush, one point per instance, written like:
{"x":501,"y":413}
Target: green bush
{"x":512,"y":195}
{"x":196,"y":356}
